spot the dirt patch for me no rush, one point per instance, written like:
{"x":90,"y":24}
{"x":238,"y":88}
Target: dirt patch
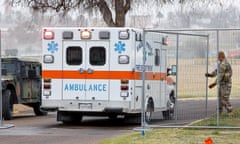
{"x":19,"y":108}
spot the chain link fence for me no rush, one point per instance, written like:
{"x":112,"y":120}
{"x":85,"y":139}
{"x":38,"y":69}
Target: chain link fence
{"x":195,"y":53}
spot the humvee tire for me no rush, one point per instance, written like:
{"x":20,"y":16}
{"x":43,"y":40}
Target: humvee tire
{"x":38,"y":111}
{"x":7,"y":105}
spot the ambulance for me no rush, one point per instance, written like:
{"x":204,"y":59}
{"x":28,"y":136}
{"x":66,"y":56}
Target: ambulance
{"x":105,"y":72}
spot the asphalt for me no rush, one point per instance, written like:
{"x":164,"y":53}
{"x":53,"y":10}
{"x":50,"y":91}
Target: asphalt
{"x":29,"y":129}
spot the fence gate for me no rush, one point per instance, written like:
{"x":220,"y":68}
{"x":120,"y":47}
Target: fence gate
{"x":194,"y":52}
{"x":189,"y":52}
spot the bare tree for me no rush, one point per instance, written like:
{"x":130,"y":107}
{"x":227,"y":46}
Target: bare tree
{"x":109,"y":9}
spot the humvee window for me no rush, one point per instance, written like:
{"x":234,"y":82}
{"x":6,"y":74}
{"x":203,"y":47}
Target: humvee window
{"x":9,"y":68}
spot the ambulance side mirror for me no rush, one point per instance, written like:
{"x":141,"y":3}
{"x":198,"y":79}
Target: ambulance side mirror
{"x":172,"y":71}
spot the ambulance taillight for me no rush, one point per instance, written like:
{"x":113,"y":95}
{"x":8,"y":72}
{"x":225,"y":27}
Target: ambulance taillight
{"x":48,"y":34}
{"x":124,"y":88}
{"x":124,"y":81}
{"x":47,"y":87}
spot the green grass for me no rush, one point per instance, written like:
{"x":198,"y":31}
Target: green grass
{"x":177,"y":136}
{"x":225,"y":120}
{"x":187,"y":136}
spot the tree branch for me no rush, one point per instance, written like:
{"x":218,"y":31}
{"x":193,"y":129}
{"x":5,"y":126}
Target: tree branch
{"x":127,"y":6}
{"x":106,"y":12}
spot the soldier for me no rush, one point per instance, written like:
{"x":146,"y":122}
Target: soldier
{"x":225,"y":82}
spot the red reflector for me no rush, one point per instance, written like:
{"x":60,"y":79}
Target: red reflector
{"x":47,"y":86}
{"x":124,"y":87}
{"x":48,"y":35}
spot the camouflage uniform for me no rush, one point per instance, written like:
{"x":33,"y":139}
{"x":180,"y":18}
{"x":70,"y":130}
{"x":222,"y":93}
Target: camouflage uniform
{"x":225,"y":84}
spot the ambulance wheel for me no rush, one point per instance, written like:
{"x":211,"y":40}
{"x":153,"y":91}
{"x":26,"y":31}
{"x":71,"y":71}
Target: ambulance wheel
{"x":133,"y":119}
{"x":148,"y":113}
{"x":112,"y":116}
{"x":73,"y":120}
{"x":7,"y":105}
{"x":69,"y":117}
{"x":167,"y":115}
{"x":77,"y":119}
{"x":38,"y":111}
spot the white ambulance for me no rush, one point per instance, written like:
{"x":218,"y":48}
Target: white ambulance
{"x":99,"y":72}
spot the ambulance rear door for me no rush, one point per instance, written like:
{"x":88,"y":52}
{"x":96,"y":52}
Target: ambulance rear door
{"x":73,"y":69}
{"x":97,"y":70}
{"x":86,"y":70}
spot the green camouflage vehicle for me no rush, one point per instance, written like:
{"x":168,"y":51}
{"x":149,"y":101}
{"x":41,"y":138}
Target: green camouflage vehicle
{"x":21,"y":84}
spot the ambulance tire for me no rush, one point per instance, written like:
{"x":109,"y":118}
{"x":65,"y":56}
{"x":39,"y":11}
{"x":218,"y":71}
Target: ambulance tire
{"x":77,"y":119}
{"x":167,"y":115}
{"x":7,"y":105}
{"x":73,"y":120}
{"x":133,"y":119}
{"x":70,"y":118}
{"x":148,"y":113}
{"x":38,"y":111}
{"x":112,"y":116}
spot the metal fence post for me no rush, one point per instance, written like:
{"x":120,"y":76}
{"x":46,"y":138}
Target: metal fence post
{"x":143,"y":83}
{"x":143,"y":127}
{"x":176,"y":114}
{"x":217,"y":79}
{"x":1,"y":101}
{"x":206,"y":104}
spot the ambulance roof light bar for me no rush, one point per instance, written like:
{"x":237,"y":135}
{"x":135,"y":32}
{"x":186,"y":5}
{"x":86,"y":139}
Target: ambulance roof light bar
{"x":85,"y":34}
{"x":48,"y":34}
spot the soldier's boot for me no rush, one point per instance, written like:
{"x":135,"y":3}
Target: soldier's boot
{"x":229,"y":109}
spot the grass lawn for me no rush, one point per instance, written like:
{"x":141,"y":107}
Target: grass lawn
{"x":187,"y":136}
{"x":225,"y":120}
{"x":177,"y":136}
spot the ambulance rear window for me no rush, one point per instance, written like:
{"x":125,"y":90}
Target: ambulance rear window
{"x":74,"y":55}
{"x":97,"y":56}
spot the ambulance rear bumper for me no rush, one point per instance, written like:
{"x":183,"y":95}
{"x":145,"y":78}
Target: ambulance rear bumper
{"x":89,"y":107}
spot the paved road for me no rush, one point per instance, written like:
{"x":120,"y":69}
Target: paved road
{"x":37,"y":130}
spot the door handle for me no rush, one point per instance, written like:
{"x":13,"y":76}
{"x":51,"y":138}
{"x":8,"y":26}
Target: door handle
{"x":89,"y":70}
{"x":81,"y":70}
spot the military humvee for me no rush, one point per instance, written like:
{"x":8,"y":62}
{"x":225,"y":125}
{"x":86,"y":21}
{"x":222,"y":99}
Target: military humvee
{"x":21,"y":84}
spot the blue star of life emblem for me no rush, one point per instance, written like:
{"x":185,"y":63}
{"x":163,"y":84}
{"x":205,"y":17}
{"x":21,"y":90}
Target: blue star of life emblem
{"x":120,"y":47}
{"x":52,"y":46}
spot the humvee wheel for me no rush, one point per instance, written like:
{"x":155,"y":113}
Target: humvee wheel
{"x":38,"y":111}
{"x":7,"y":105}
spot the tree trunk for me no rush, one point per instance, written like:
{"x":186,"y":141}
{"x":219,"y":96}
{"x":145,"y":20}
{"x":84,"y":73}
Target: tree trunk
{"x":121,"y":9}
